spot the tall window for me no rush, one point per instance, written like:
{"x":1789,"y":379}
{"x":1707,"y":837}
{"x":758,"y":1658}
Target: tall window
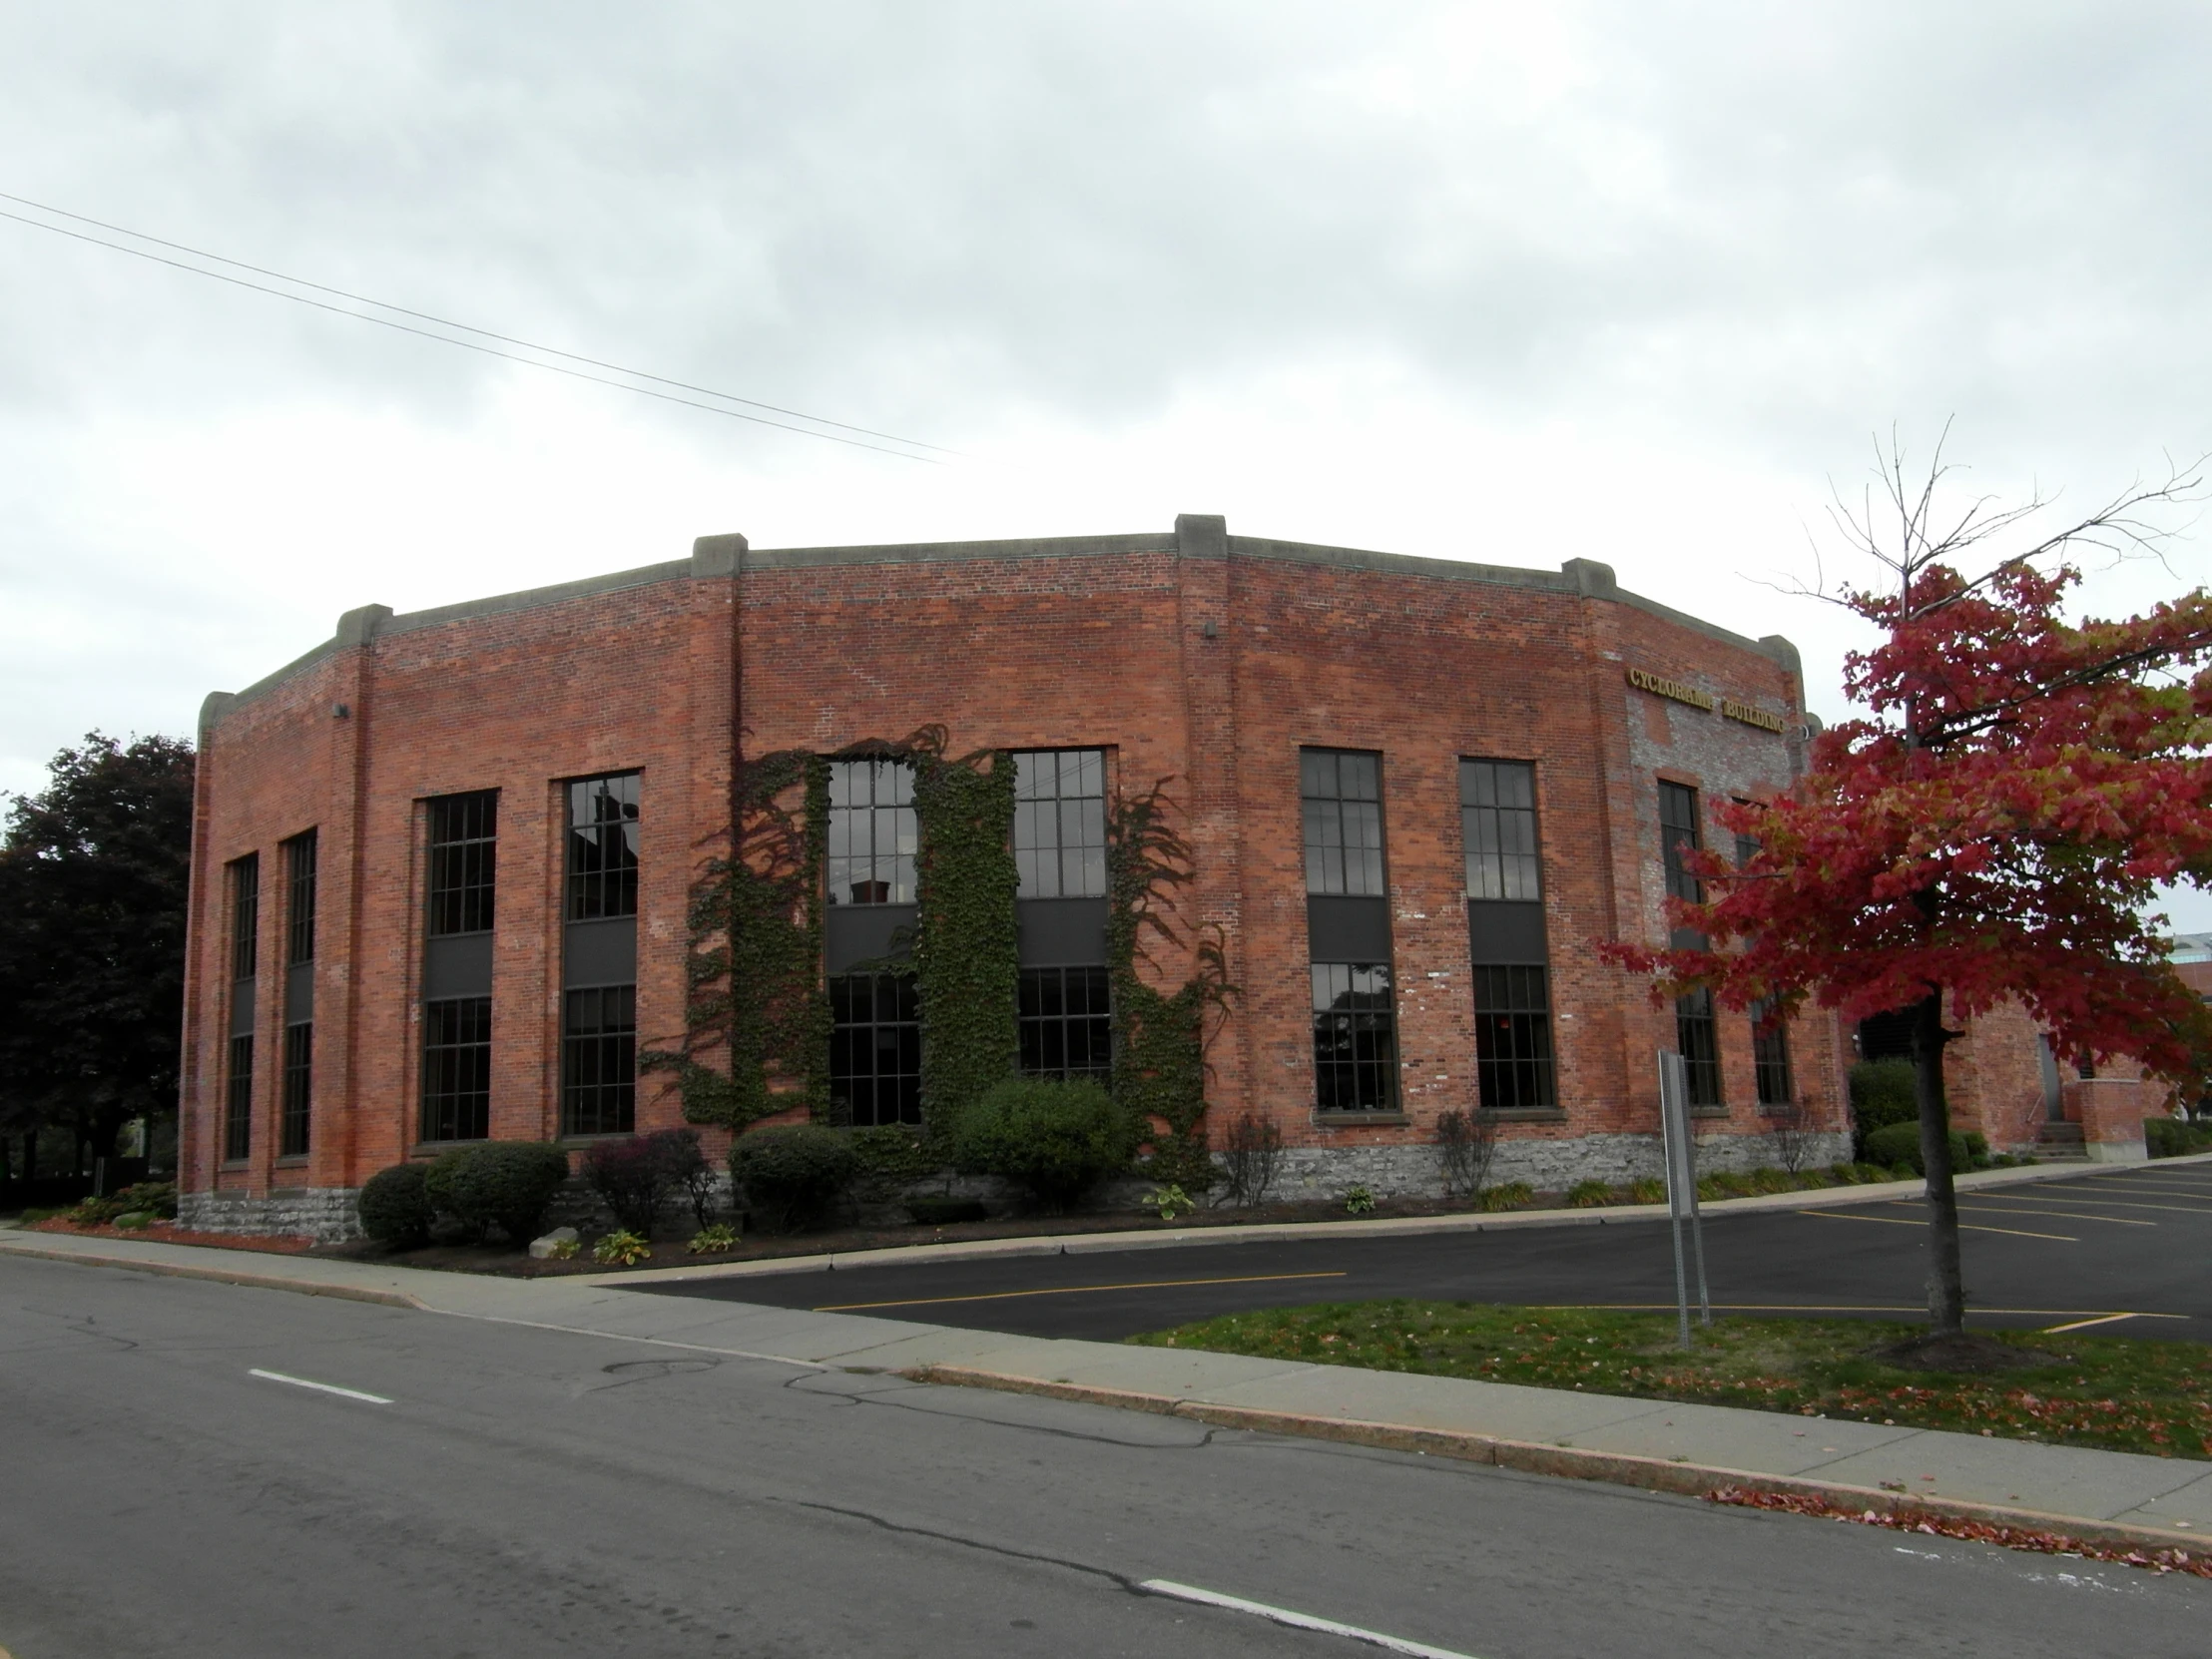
{"x":464,"y":862}
{"x":599,"y":1061}
{"x":874,"y":834}
{"x":456,"y":1069}
{"x":1348,"y":925}
{"x":1068,"y":1027}
{"x":1060,"y":822}
{"x":245,"y":929}
{"x":1514,"y":1064}
{"x":602,"y":847}
{"x":295,"y":1105}
{"x":1498,"y":819}
{"x":246,"y":915}
{"x":1697,"y":1035}
{"x":1770,"y":1058}
{"x":875,"y":1048}
{"x":1342,"y":794}
{"x":1354,"y":1037}
{"x":291,"y":1141}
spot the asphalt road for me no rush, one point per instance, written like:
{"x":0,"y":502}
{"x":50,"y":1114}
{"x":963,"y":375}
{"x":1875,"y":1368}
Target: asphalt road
{"x":532,"y":1492}
{"x":2136,"y":1240}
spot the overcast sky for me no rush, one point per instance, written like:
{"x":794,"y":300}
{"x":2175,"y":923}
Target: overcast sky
{"x":1629,"y":283}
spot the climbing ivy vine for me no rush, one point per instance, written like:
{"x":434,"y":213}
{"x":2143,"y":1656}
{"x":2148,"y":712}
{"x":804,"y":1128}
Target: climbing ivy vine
{"x":1160,"y":1036}
{"x":754,"y":995}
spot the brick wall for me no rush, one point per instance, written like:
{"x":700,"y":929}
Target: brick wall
{"x":1196,"y":658}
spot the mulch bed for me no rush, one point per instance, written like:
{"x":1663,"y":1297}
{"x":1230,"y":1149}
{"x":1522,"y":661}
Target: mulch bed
{"x":163,"y":1233}
{"x":1974,"y":1531}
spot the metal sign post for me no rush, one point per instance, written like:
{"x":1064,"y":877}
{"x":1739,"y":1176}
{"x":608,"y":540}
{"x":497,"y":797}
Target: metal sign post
{"x":1681,"y":1157}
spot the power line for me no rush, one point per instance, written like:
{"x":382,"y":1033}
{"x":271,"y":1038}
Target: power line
{"x":466,"y":346}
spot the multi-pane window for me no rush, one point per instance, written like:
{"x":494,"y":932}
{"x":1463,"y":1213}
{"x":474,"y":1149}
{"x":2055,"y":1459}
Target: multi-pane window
{"x":599,"y":1061}
{"x":456,"y":1069}
{"x":872,"y":832}
{"x":1497,"y":817}
{"x":1060,"y":822}
{"x":238,"y":1099}
{"x":602,"y":847}
{"x":300,"y":881}
{"x":293,"y":1122}
{"x":1697,"y":1036}
{"x":1355,"y":1041}
{"x":1342,"y":797}
{"x":875,"y":1048}
{"x":1513,"y":1064}
{"x":1512,"y":1038}
{"x":464,"y":862}
{"x":246,"y":915}
{"x":1066,"y":1019}
{"x":1770,"y":1056}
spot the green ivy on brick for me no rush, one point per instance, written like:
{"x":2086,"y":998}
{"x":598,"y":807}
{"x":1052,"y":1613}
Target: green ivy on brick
{"x":967,"y":948}
{"x":1160,"y":1037}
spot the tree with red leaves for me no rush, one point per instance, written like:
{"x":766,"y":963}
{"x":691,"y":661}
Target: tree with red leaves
{"x":1993,"y":828}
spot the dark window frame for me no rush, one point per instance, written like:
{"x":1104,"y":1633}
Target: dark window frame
{"x":1486,"y":826}
{"x":1515,"y":1067}
{"x":1772,"y":1079}
{"x":1066,"y":1017}
{"x":1059,"y":821}
{"x":246,"y":915}
{"x":860,"y":1093}
{"x":1339,"y":792}
{"x":301,"y":861}
{"x":294,"y":1116}
{"x":456,"y":1070}
{"x":859,"y":828}
{"x":603,"y":841}
{"x":238,"y":1099}
{"x":599,"y":1060}
{"x":461,"y":864}
{"x":1355,"y":1041}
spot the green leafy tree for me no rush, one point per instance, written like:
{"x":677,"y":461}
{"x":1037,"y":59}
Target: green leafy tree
{"x":93,"y":879}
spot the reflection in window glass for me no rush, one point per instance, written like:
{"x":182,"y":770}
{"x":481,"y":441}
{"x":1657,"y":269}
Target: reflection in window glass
{"x":1060,"y":822}
{"x":602,"y":847}
{"x":1354,"y":1037}
{"x":1498,"y":819}
{"x":874,"y":834}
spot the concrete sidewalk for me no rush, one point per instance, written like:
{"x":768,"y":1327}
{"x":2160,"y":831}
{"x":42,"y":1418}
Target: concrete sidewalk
{"x":2106,"y":1496}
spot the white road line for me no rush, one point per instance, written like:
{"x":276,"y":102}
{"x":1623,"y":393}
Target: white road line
{"x":320,"y":1387}
{"x":2084,"y":1325}
{"x":1298,"y":1621}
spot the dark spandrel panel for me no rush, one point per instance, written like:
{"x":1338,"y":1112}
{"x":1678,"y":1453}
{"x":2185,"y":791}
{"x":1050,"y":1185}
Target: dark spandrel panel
{"x":1504,"y":933}
{"x":856,"y":934}
{"x":1061,"y":931}
{"x":604,"y":833}
{"x":603,"y":953}
{"x":242,"y":1005}
{"x":458,"y":965}
{"x":1345,"y":928}
{"x":1354,"y":1037}
{"x":300,"y":992}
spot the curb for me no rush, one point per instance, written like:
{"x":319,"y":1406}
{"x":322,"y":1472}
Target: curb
{"x":1618,"y":1468}
{"x":1100,"y":1243}
{"x":220,"y":1275}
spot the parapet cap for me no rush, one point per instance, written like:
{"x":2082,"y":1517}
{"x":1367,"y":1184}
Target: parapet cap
{"x":723,"y":555}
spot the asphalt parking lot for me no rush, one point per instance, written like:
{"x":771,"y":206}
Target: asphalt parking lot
{"x":2129,"y":1246}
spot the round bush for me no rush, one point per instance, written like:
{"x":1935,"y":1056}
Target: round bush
{"x":1882,"y":1093}
{"x":395,"y":1210}
{"x":1057,"y":1139}
{"x":1899,"y":1146}
{"x":502,"y":1184}
{"x":792,"y":1172}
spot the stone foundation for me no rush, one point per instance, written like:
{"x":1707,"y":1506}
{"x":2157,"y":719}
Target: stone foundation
{"x":1547,"y":1164}
{"x":329,"y":1215}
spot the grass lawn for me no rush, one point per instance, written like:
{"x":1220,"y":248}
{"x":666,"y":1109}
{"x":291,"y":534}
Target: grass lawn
{"x":2122,"y":1393}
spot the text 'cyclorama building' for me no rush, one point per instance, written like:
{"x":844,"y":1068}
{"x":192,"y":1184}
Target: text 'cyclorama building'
{"x":442,"y":863}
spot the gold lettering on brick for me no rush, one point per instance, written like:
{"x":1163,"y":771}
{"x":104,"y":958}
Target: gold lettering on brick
{"x":1751,"y":716}
{"x":1673,"y":689}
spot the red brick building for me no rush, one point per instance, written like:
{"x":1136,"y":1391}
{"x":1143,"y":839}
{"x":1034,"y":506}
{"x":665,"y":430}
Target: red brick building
{"x":441,"y":861}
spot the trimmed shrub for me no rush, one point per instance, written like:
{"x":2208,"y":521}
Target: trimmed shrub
{"x":1057,"y":1139}
{"x":395,"y":1207}
{"x":891,"y":1157}
{"x":634,"y":1177}
{"x":1882,"y":1093}
{"x":792,"y":1172}
{"x":935,"y":1211}
{"x":502,"y":1184}
{"x":2175,"y":1137}
{"x":1899,"y":1145}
